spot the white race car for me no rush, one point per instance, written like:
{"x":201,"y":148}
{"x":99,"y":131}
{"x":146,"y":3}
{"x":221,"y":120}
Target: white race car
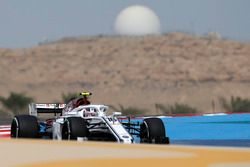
{"x":85,"y":122}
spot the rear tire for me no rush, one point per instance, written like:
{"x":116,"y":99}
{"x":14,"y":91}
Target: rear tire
{"x":74,"y":127}
{"x":152,"y":130}
{"x":24,"y":126}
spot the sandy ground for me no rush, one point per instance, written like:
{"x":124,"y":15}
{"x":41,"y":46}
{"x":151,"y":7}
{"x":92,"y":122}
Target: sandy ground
{"x":38,"y":153}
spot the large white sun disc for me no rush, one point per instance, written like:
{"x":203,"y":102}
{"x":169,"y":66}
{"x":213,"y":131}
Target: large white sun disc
{"x":137,"y":20}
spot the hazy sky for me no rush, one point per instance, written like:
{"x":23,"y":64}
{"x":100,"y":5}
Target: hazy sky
{"x":25,"y":23}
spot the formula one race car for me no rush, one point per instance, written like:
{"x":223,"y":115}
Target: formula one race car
{"x":85,"y":122}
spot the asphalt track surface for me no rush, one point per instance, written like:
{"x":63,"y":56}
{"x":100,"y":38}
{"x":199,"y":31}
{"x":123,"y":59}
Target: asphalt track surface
{"x":40,"y":153}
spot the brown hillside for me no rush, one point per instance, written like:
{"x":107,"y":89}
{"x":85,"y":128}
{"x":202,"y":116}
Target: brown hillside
{"x":132,"y":71}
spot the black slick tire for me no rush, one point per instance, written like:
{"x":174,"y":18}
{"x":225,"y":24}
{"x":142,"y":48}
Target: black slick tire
{"x":152,"y":130}
{"x":73,"y":128}
{"x":24,"y":126}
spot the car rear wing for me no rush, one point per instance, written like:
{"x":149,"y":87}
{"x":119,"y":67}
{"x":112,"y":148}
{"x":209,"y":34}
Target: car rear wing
{"x":35,"y":108}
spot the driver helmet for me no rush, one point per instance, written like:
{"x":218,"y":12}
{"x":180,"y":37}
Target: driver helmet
{"x":85,"y":94}
{"x":85,"y":100}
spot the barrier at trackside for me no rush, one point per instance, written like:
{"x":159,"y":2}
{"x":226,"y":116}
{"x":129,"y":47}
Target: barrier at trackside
{"x":4,"y":131}
{"x":182,"y":115}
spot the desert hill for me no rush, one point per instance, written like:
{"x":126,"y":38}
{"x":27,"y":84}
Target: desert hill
{"x":131,"y":71}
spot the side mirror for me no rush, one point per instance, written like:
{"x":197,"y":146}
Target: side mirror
{"x":116,"y":114}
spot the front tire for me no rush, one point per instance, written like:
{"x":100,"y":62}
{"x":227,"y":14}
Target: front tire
{"x":24,"y":126}
{"x":152,"y":130}
{"x":73,"y":128}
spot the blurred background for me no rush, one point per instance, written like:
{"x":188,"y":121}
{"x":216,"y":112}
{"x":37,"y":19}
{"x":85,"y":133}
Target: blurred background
{"x":140,"y":57}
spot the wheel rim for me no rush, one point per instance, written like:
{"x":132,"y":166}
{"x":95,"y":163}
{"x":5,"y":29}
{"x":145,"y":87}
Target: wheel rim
{"x":66,"y":130}
{"x":14,"y":128}
{"x":145,"y":131}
